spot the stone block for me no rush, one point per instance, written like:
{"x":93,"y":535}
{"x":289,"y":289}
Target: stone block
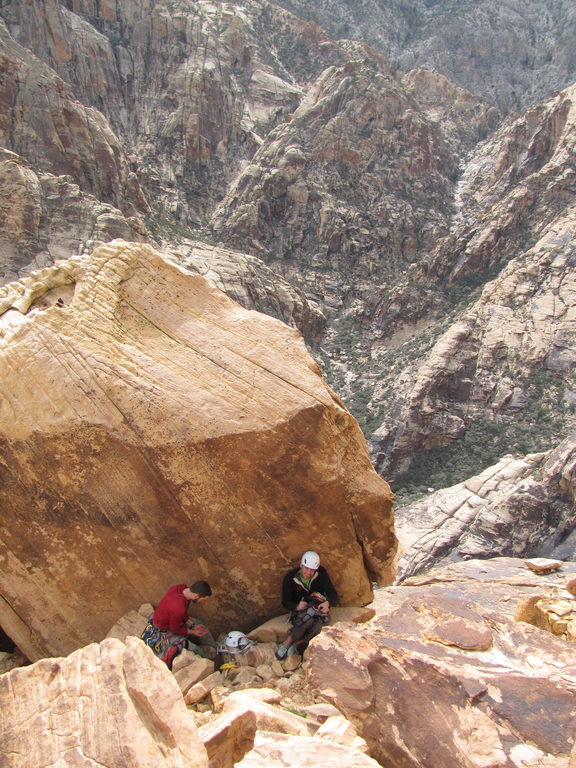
{"x":200,"y":690}
{"x":196,"y":670}
{"x":229,"y":737}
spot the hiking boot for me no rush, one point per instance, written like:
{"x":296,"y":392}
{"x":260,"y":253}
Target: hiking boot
{"x":283,"y":650}
{"x":292,"y":649}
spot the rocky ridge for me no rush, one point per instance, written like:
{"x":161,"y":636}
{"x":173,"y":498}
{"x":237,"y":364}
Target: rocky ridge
{"x":191,"y":87}
{"x":354,"y":186}
{"x":514,"y":54}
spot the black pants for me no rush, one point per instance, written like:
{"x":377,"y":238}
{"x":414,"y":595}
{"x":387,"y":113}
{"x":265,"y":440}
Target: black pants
{"x":301,"y":634}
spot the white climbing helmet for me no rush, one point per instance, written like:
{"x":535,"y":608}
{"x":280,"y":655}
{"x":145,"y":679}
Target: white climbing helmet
{"x":236,"y":642}
{"x":310,"y":559}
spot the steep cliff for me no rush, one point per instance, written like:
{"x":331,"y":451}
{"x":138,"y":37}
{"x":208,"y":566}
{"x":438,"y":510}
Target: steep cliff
{"x":65,"y":176}
{"x":191,"y":87}
{"x":503,"y":373}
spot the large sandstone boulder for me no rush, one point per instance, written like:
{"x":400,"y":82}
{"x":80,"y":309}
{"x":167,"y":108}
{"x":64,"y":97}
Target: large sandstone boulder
{"x":444,"y":675}
{"x":155,"y":432}
{"x":107,"y":704}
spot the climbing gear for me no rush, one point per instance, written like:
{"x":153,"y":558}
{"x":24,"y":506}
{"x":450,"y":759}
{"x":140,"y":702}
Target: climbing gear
{"x":236,"y":642}
{"x":283,"y":650}
{"x":314,"y":600}
{"x":164,"y":644}
{"x":311,"y":560}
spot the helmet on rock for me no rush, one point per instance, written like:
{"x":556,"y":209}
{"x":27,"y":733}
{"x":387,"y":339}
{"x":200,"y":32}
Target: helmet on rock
{"x":310,"y":559}
{"x":236,"y":642}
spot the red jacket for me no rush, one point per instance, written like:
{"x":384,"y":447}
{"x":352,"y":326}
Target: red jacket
{"x":172,"y":611}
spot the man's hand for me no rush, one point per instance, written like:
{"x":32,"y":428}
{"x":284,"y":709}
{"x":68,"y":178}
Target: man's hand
{"x":302,"y":605}
{"x":199,"y":630}
{"x":323,"y":607}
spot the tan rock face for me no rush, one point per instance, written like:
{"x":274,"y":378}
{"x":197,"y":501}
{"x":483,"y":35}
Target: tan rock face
{"x":519,"y":181}
{"x":155,"y":432}
{"x":268,"y":717}
{"x":463,"y":116}
{"x":109,"y":704}
{"x":419,"y":700}
{"x":229,"y":737}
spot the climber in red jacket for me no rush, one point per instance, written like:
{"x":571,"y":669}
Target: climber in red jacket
{"x":171,"y":614}
{"x":170,"y":628}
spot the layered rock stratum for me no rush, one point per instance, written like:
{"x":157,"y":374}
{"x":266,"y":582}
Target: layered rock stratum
{"x":154,"y":432}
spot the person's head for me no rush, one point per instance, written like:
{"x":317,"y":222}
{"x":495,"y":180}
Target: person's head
{"x":309,"y":563}
{"x":198,"y":592}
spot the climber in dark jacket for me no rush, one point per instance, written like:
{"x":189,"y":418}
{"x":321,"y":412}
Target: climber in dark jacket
{"x":307,"y":593}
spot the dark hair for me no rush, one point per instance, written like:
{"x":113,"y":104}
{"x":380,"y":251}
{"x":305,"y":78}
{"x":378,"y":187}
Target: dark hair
{"x":201,"y":588}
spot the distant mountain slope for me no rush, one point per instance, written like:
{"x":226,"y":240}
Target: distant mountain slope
{"x":519,"y":507}
{"x":503,"y":374}
{"x":514,"y":54}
